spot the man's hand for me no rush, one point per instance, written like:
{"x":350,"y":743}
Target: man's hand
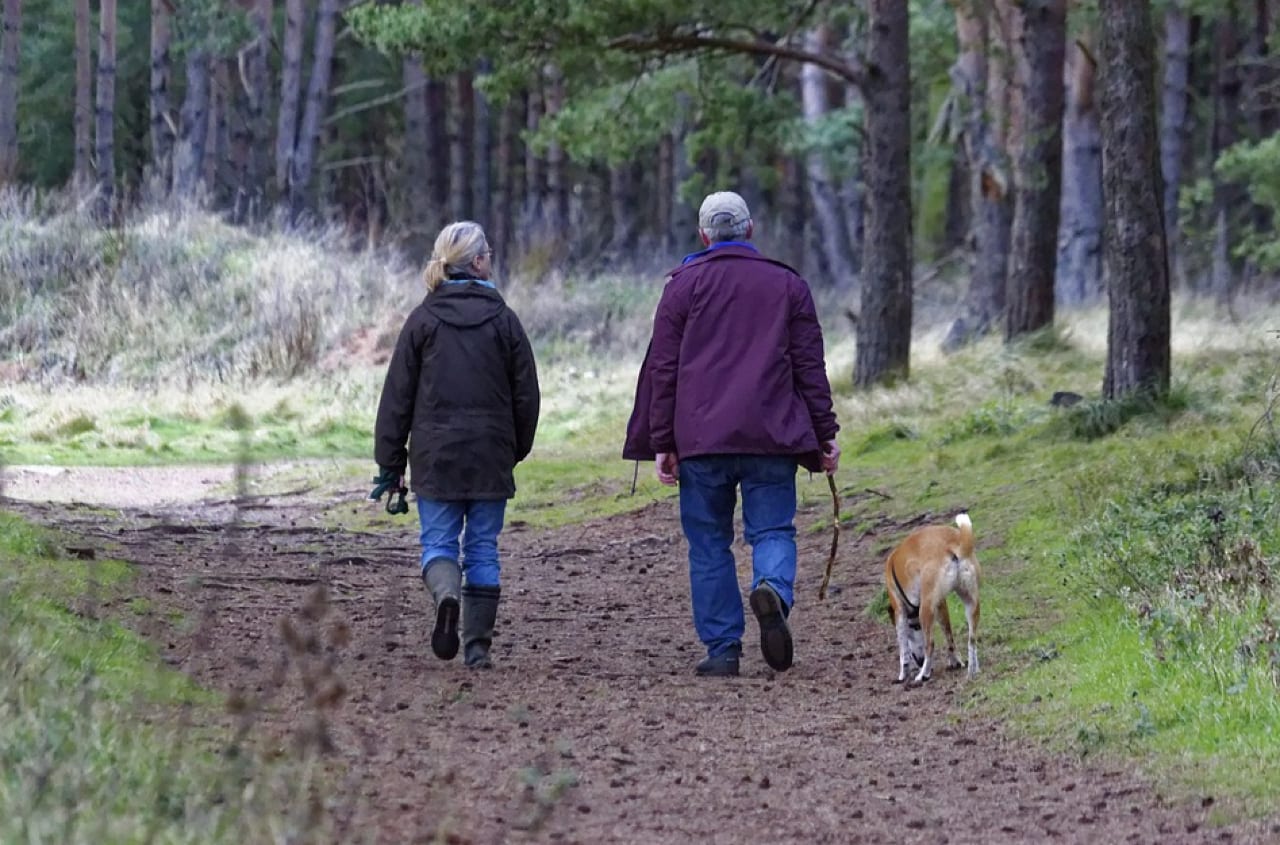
{"x":668,"y":467}
{"x":830,"y":457}
{"x":391,"y":482}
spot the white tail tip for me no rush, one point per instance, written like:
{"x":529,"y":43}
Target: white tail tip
{"x":962,"y":519}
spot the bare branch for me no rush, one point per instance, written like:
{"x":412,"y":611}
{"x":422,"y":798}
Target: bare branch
{"x":671,"y":44}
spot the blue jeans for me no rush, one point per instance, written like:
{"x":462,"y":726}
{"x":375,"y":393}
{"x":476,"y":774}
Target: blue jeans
{"x":442,"y":525}
{"x":708,"y":496}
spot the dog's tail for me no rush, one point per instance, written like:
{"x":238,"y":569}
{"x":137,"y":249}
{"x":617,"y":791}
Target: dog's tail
{"x":965,"y":550}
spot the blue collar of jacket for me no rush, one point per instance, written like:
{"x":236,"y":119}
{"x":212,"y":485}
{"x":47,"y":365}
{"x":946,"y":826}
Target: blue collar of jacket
{"x":484,"y":282}
{"x":696,"y":255}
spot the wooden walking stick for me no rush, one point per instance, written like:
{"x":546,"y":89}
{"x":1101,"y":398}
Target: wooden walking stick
{"x":835,"y":537}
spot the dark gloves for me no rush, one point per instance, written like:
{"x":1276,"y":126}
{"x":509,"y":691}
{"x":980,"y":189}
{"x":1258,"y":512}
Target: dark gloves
{"x":391,"y":482}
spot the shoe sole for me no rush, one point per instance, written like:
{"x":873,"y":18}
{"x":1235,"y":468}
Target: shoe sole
{"x":775,"y":636}
{"x":444,"y":637}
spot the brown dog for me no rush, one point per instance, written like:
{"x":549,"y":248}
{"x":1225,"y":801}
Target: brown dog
{"x":921,"y":572}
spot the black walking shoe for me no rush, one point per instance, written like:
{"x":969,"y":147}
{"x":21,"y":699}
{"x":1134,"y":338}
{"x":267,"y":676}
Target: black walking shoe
{"x":444,"y":637}
{"x":723,"y":665}
{"x":775,"y":636}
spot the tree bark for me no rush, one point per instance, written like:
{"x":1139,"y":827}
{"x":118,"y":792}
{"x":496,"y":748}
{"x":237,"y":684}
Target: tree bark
{"x":420,"y":194}
{"x":1039,"y":56}
{"x":505,"y":192}
{"x":1079,"y":275}
{"x":535,"y":176}
{"x":663,"y":198}
{"x":482,"y":159}
{"x":981,"y":74}
{"x":884,"y":327}
{"x":83,"y":116}
{"x":105,"y":109}
{"x":1134,"y":253}
{"x":1174,"y":126}
{"x":308,"y":145}
{"x":684,"y":217}
{"x":10,"y":82}
{"x":161,"y":78}
{"x":955,"y":232}
{"x":217,"y":147}
{"x":829,"y":217}
{"x":193,"y":130}
{"x":461,"y":160}
{"x":290,"y":94}
{"x":1226,"y":121}
{"x":252,"y":177}
{"x":622,"y":211}
{"x":557,"y":210}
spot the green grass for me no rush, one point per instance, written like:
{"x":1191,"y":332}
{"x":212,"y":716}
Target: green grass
{"x":90,"y":749}
{"x":1107,"y":629}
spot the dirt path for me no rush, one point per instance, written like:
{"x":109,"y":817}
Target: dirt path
{"x":593,"y":729}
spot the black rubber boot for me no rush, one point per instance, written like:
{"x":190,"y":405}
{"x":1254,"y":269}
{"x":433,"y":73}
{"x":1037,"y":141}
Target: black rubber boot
{"x":479,"y":612}
{"x":775,"y":636}
{"x":723,"y":665}
{"x":443,"y":578}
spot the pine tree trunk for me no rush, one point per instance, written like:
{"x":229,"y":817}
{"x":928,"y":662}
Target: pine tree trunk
{"x":1037,"y":180}
{"x":1134,"y":252}
{"x":461,"y":129}
{"x":1266,"y":83}
{"x":438,"y":150}
{"x":1079,"y":277}
{"x":662,"y":195}
{"x":557,"y":210}
{"x":421,"y":222}
{"x":252,"y":176}
{"x":83,"y":116}
{"x":852,"y":193}
{"x":213,"y":148}
{"x":1226,"y":121}
{"x":482,"y":160}
{"x":161,"y":79}
{"x":193,"y":130}
{"x":684,"y":217}
{"x":622,"y":211}
{"x":10,"y":82}
{"x":982,"y":75}
{"x":955,"y":233}
{"x":884,"y":326}
{"x":789,"y":200}
{"x":505,"y":197}
{"x":833,"y":235}
{"x":535,"y":177}
{"x":290,"y":94}
{"x":1174,"y":126}
{"x":308,"y":145}
{"x":105,"y":109}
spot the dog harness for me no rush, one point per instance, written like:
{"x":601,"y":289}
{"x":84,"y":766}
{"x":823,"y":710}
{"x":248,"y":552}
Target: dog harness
{"x":913,"y":610}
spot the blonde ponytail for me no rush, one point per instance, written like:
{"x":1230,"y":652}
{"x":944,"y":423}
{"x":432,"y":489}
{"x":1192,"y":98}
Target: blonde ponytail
{"x":457,"y":246}
{"x":435,"y":273}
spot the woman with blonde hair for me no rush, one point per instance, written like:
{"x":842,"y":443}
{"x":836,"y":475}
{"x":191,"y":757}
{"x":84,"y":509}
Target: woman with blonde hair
{"x":462,"y":390}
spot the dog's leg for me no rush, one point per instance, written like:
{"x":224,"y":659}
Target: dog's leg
{"x":926,"y":629}
{"x":944,"y":617}
{"x":972,"y":610}
{"x":904,"y":645}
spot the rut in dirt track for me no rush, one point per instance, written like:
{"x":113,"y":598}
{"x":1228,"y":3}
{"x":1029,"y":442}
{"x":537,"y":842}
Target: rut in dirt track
{"x":593,"y":704}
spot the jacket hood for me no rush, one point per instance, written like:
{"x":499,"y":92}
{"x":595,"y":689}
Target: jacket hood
{"x":464,"y":305}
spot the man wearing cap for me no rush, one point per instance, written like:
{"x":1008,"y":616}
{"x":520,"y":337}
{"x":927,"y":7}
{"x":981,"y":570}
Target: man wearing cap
{"x":733,"y":393}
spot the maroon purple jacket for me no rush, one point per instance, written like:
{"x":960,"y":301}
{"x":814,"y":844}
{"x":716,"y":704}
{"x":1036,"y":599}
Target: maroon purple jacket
{"x":735,"y":365}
